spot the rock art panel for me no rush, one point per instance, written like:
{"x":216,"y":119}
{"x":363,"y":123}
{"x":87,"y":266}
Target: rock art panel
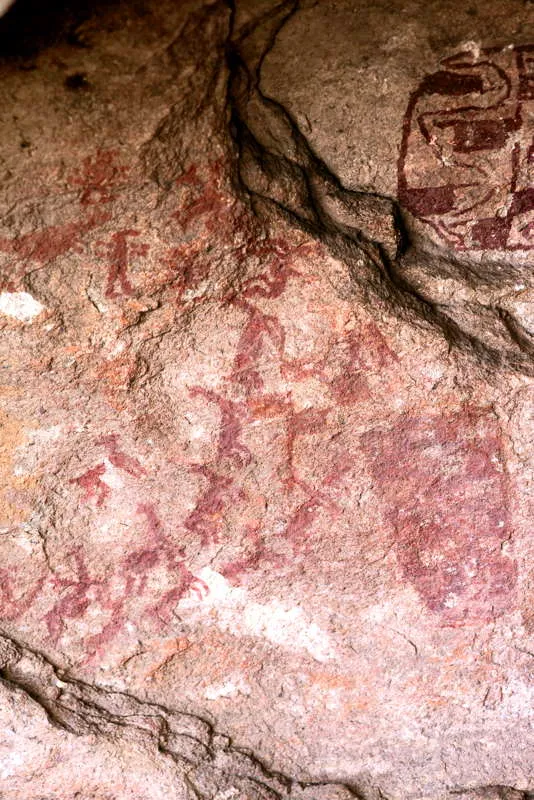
{"x":264,"y":467}
{"x":426,"y":168}
{"x":466,"y":166}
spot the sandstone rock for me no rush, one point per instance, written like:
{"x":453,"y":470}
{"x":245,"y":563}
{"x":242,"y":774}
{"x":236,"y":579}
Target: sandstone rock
{"x":266,"y":448}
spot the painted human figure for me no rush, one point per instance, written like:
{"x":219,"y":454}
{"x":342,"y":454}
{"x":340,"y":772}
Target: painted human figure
{"x":466,"y":165}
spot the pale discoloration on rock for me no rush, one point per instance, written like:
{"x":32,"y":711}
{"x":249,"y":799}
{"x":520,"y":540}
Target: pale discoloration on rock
{"x":234,"y":611}
{"x":19,"y":305}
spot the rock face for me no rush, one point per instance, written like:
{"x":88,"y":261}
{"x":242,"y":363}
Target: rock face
{"x":427,"y":165}
{"x":266,"y":412}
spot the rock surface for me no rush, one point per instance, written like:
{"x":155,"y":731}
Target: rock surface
{"x":267,"y":411}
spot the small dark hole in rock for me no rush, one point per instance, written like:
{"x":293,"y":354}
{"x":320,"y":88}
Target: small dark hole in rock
{"x":78,"y":80}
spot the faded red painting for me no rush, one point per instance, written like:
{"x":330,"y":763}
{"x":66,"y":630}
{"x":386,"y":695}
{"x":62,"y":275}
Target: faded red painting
{"x":145,"y":513}
{"x":443,"y":482}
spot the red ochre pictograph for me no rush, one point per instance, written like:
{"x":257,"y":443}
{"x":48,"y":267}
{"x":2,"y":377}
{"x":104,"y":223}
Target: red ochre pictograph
{"x":466,"y":166}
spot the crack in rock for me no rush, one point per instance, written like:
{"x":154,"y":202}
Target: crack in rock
{"x":206,"y":761}
{"x":279,"y":170}
{"x":207,"y":764}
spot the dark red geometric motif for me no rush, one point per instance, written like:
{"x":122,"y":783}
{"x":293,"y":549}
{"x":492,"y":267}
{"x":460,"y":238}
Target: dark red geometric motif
{"x":466,"y":165}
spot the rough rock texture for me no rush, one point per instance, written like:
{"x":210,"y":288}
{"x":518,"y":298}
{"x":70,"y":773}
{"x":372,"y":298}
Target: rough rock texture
{"x":68,"y":739}
{"x":267,"y":411}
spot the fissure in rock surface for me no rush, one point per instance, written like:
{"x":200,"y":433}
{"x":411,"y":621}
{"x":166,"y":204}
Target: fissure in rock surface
{"x":266,"y":413}
{"x":369,"y":231}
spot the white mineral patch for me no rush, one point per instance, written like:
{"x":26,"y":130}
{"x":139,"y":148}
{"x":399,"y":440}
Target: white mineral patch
{"x":229,"y":688}
{"x":112,"y":476}
{"x":19,"y":305}
{"x":25,"y":544}
{"x":192,"y":294}
{"x":11,"y":764}
{"x":233,"y":611}
{"x":45,"y":435}
{"x":517,"y":698}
